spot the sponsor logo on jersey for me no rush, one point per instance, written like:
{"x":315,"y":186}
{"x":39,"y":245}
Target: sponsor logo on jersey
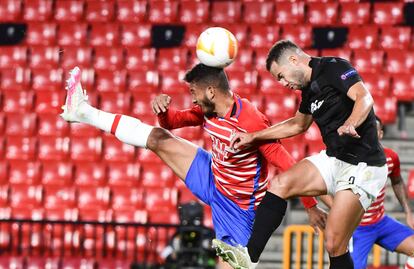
{"x":316,"y":105}
{"x":348,"y":74}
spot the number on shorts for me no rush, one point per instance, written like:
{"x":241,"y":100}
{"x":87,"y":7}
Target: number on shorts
{"x":351,"y":179}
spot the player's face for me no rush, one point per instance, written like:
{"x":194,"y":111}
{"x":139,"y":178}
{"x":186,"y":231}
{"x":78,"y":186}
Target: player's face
{"x":199,"y":96}
{"x":379,"y":130}
{"x":289,"y":75}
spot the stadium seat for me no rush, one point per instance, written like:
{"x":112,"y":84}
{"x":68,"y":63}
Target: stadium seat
{"x":263,"y":36}
{"x":109,"y":58}
{"x":56,"y":173}
{"x":18,"y":124}
{"x":37,"y":10}
{"x":388,"y":13}
{"x":4,"y":176}
{"x":24,"y":173}
{"x":14,"y":79}
{"x":115,"y":102}
{"x":172,"y":82}
{"x":403,"y":87}
{"x":125,"y":198}
{"x":354,"y":13}
{"x":240,"y":31}
{"x":72,"y":263}
{"x":280,"y":107}
{"x":115,"y":150}
{"x":155,"y":175}
{"x":322,"y":14}
{"x":59,"y":197}
{"x":164,"y":217}
{"x":140,"y":59}
{"x":41,"y":33}
{"x":76,"y":56}
{"x":386,"y":109}
{"x":136,"y":35}
{"x":52,"y":125}
{"x":243,"y":61}
{"x":72,"y":34}
{"x":124,"y":174}
{"x":226,"y":12}
{"x":4,"y":195}
{"x":25,"y":196}
{"x":257,"y":100}
{"x":53,"y":148}
{"x":141,"y":104}
{"x":83,"y":130}
{"x":93,"y":198}
{"x":131,"y":11}
{"x":290,"y":12}
{"x":301,"y":35}
{"x":315,"y":147}
{"x":111,"y":263}
{"x":342,"y":53}
{"x":363,"y":37}
{"x":47,"y":79}
{"x":69,"y":11}
{"x":258,"y":12}
{"x":162,"y":11}
{"x":192,"y":31}
{"x":269,"y":85}
{"x":111,"y":81}
{"x":20,"y":148}
{"x":49,"y":101}
{"x":100,"y":11}
{"x":90,"y":174}
{"x":395,"y":37}
{"x":10,"y":10}
{"x":194,"y":12}
{"x":399,"y":61}
{"x":243,"y":82}
{"x":104,"y":34}
{"x":313,"y":133}
{"x":368,"y":61}
{"x":42,"y":262}
{"x":143,"y":82}
{"x":173,"y":59}
{"x":13,"y":56}
{"x":161,"y":199}
{"x":18,"y":101}
{"x":377,"y":83}
{"x":85,"y":148}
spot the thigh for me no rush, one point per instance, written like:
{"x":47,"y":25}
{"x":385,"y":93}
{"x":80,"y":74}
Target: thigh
{"x":360,"y":245}
{"x":395,"y":236}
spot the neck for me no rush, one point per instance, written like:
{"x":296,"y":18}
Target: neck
{"x":224,"y":104}
{"x":308,"y":71}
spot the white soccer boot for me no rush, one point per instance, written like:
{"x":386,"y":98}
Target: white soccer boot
{"x":237,"y":256}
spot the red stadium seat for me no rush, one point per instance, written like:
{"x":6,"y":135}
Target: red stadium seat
{"x":163,"y":11}
{"x":4,"y":176}
{"x":49,"y":101}
{"x":395,"y":37}
{"x":194,"y":12}
{"x":13,"y":56}
{"x":126,"y":199}
{"x":41,"y":33}
{"x":263,"y":36}
{"x":69,"y":11}
{"x":109,"y":58}
{"x":155,"y":175}
{"x":320,"y":13}
{"x":55,"y":173}
{"x":131,"y":11}
{"x":240,"y":31}
{"x":115,"y":102}
{"x":243,"y":82}
{"x":243,"y":61}
{"x":290,"y":12}
{"x":111,"y":263}
{"x":124,"y":174}
{"x":59,"y":238}
{"x":368,"y":61}
{"x":59,"y":197}
{"x":378,"y":84}
{"x":403,"y":87}
{"x":280,"y":107}
{"x":20,"y":124}
{"x":115,"y":150}
{"x":301,"y":35}
{"x":71,"y":263}
{"x":136,"y":35}
{"x":313,"y":133}
{"x":104,"y":34}
{"x":90,"y":174}
{"x":25,"y":196}
{"x":388,"y":13}
{"x":141,"y":104}
{"x":172,"y":82}
{"x":258,"y":101}
{"x":18,"y":101}
{"x":386,"y":109}
{"x":23,"y":172}
{"x":315,"y":147}
{"x":100,"y":11}
{"x":83,"y":130}
{"x":93,"y":198}
{"x":192,"y":32}
{"x":269,"y":85}
{"x":76,"y":56}
{"x":164,"y":217}
{"x":15,"y":79}
{"x":11,"y":261}
{"x":161,"y":199}
{"x":258,"y":12}
{"x":364,"y":37}
{"x":52,"y":125}
{"x":400,"y":61}
{"x":140,"y":59}
{"x":111,"y":81}
{"x":226,"y":12}
{"x":86,"y":148}
{"x":353,"y":13}
{"x":342,"y":53}
{"x":53,"y":148}
{"x":47,"y":79}
{"x":10,"y":10}
{"x":72,"y":34}
{"x":2,"y":123}
{"x":37,"y":10}
{"x":144,"y":82}
{"x":42,"y":262}
{"x":173,"y":59}
{"x":4,"y":196}
{"x":20,"y":148}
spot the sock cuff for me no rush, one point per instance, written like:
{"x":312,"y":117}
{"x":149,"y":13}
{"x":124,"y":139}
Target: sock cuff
{"x":115,"y":123}
{"x":273,"y":202}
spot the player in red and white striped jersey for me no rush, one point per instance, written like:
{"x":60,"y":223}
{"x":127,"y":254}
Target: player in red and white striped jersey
{"x":376,"y":227}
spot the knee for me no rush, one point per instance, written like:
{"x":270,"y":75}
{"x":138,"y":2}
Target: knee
{"x":157,"y":138}
{"x":281,"y":186}
{"x":334,"y":245}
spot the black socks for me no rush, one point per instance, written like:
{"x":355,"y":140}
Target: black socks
{"x":341,"y":262}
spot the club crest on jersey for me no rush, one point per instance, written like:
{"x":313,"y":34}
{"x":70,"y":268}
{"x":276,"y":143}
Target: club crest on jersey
{"x":348,"y":74}
{"x":316,"y":105}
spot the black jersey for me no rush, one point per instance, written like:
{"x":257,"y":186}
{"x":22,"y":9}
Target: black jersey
{"x":326,"y":99}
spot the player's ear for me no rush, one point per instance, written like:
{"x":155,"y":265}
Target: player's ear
{"x":210,"y":92}
{"x":293,"y":59}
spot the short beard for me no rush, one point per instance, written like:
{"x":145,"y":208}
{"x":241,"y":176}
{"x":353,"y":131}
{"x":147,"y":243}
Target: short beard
{"x":208,"y":108}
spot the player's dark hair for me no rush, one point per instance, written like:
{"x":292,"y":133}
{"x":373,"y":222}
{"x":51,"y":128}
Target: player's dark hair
{"x":208,"y":76}
{"x":379,"y":121}
{"x":277,"y":51}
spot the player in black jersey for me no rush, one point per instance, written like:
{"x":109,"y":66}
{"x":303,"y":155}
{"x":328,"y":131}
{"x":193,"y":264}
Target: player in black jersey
{"x":352,"y":168}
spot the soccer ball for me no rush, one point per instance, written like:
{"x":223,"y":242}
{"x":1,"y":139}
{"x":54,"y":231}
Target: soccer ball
{"x":216,"y":47}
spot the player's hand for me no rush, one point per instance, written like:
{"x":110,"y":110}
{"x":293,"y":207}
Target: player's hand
{"x":348,"y":129}
{"x":160,"y":104}
{"x":317,"y":218}
{"x":239,"y":140}
{"x":410,"y":220}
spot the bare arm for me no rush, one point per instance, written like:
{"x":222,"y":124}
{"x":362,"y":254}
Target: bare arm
{"x":327,"y":200}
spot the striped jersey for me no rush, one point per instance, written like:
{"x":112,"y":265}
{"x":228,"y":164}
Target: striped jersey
{"x":240,"y":175}
{"x":376,"y":211}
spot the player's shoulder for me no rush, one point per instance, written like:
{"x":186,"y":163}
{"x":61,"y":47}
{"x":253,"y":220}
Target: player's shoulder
{"x":250,"y":115}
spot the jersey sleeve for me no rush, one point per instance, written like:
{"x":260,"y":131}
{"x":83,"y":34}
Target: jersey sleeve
{"x":174,"y":119}
{"x":304,"y":104}
{"x":396,"y":168}
{"x":341,"y":74}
